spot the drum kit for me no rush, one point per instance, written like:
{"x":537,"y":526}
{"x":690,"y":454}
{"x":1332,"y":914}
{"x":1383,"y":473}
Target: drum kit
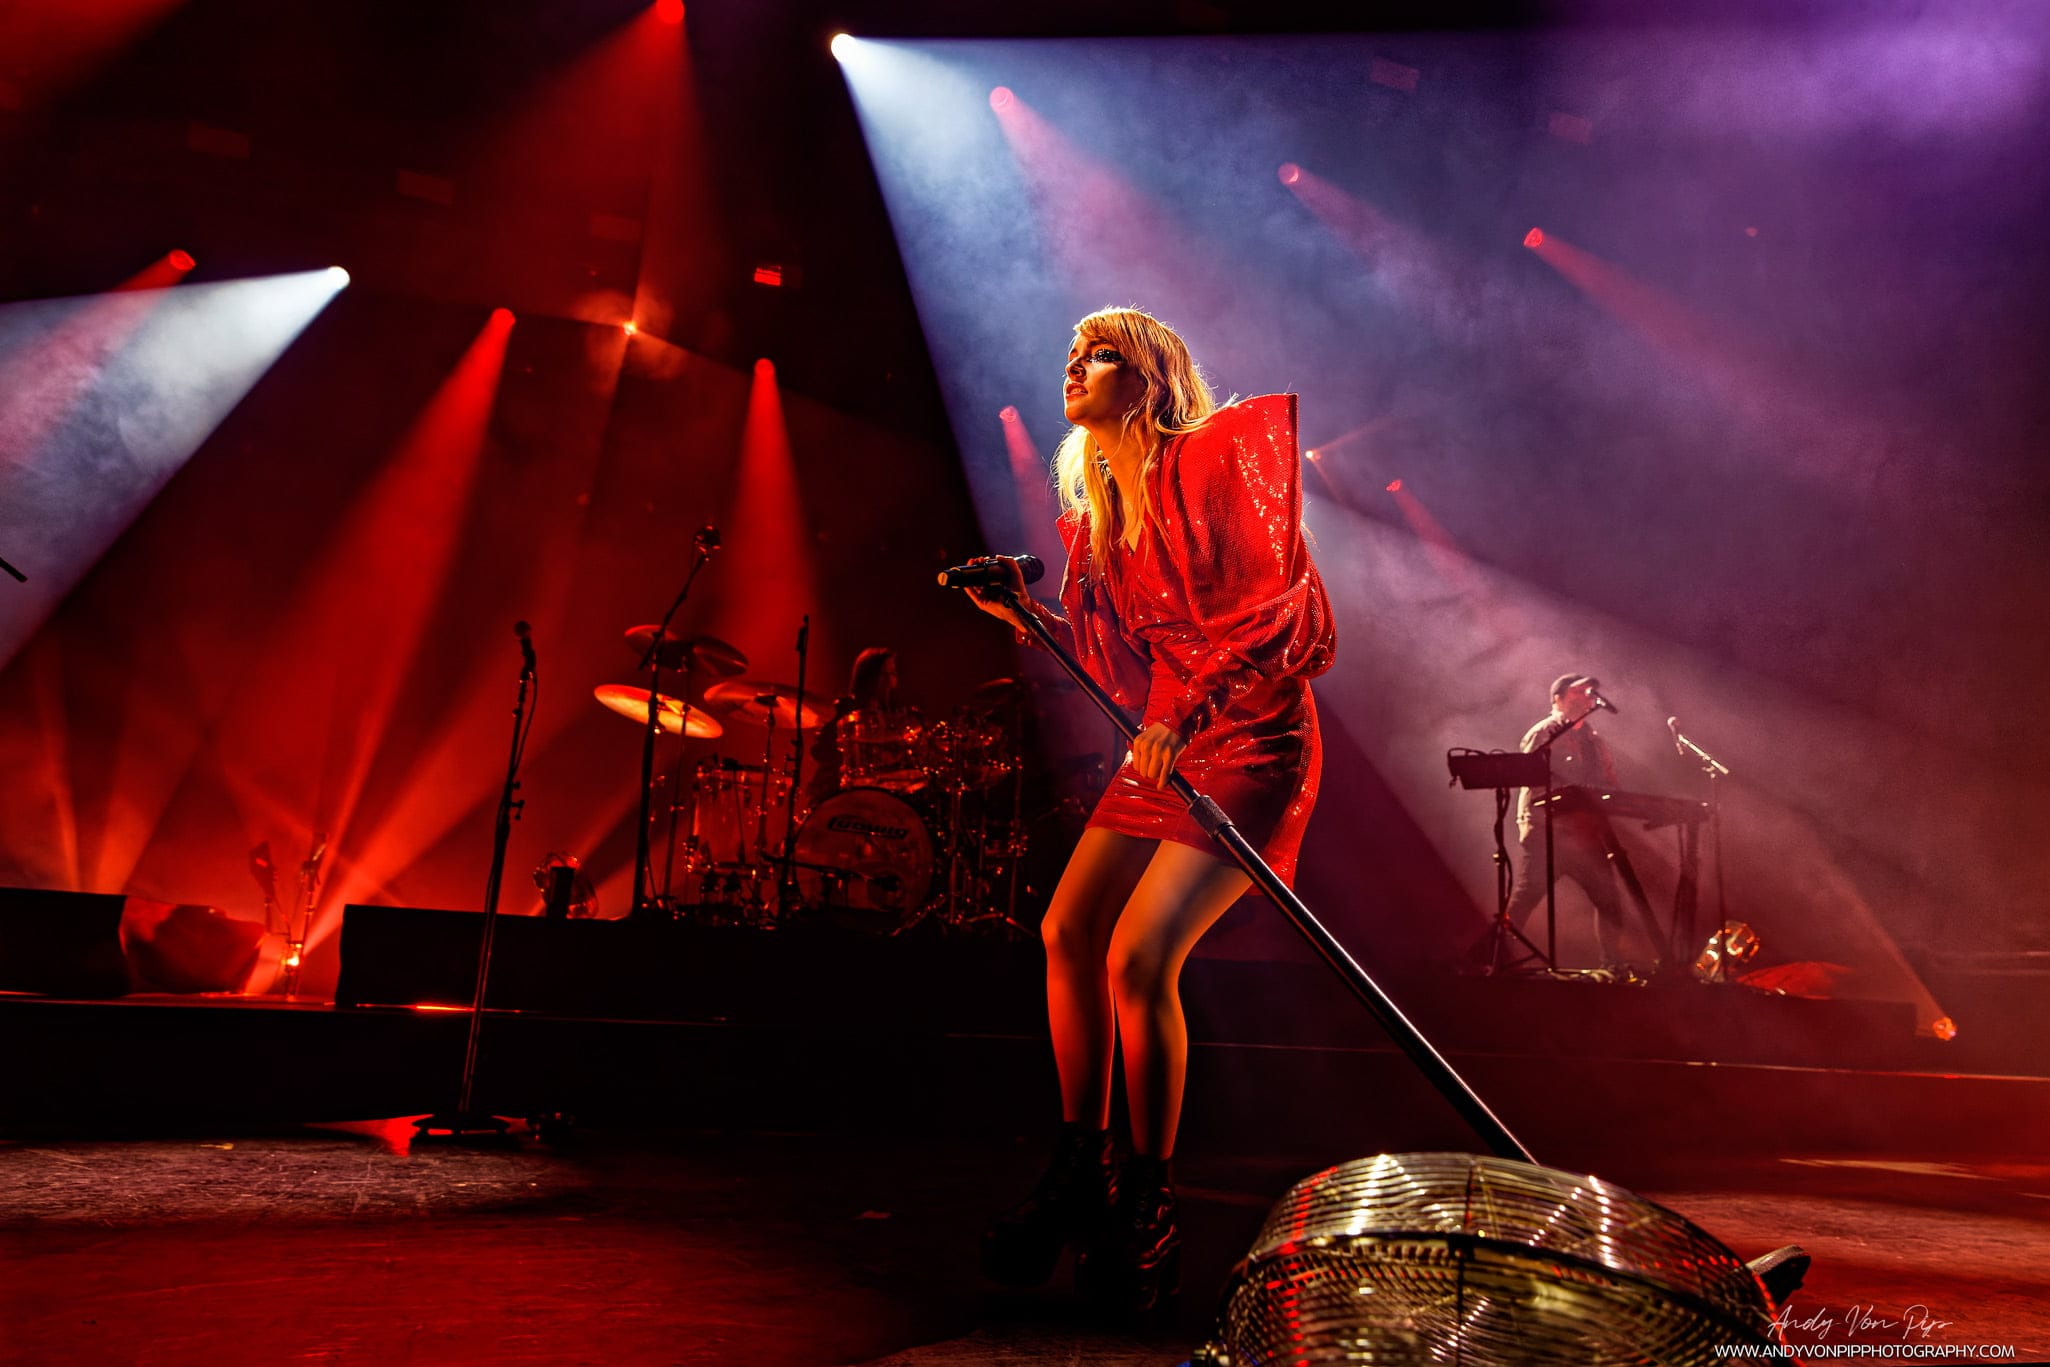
{"x":924,"y":825}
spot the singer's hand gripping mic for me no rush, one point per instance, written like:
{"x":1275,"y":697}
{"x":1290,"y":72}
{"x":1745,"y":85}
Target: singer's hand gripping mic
{"x":991,"y":573}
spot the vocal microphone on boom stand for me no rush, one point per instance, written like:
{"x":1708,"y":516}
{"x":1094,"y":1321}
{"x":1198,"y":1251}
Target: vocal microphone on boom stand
{"x":990,"y":573}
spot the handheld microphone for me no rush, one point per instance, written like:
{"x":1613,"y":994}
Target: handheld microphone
{"x":1673,"y":725}
{"x":991,"y":574}
{"x":526,"y":635}
{"x":1603,"y":703}
{"x":707,"y":539}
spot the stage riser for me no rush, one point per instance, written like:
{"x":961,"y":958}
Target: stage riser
{"x":671,"y":971}
{"x":150,"y":1069}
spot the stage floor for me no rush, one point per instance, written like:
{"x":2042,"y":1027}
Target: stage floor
{"x":338,"y":1244}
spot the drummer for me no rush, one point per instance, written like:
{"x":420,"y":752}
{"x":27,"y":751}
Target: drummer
{"x":871,"y":688}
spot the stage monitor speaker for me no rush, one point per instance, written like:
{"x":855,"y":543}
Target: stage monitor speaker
{"x":412,"y":956}
{"x":187,"y":948}
{"x":100,"y":944}
{"x":62,"y":944}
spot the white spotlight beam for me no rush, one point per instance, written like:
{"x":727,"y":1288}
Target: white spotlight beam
{"x":108,"y":396}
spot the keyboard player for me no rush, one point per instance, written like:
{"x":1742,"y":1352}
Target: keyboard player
{"x":1580,"y":839}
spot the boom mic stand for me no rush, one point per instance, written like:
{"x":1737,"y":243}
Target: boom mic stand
{"x":463,"y":1120}
{"x":706,"y":541}
{"x":1716,"y":771}
{"x":1218,"y":826}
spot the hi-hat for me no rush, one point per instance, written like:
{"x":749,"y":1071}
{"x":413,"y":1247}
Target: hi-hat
{"x":707,"y":653}
{"x":629,"y":701}
{"x":757,"y":701}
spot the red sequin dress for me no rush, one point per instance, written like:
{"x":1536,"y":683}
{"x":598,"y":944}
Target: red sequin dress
{"x":1214,"y":624}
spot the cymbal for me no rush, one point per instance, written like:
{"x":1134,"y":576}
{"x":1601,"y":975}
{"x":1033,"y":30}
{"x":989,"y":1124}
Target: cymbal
{"x":707,"y":653}
{"x":998,"y":694}
{"x":629,"y":701}
{"x":757,"y":700}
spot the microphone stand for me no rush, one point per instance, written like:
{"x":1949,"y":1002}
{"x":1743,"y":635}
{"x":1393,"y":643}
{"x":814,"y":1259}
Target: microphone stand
{"x":644,"y":858}
{"x":1716,"y":771}
{"x":18,"y":575}
{"x":1219,"y":827}
{"x":786,"y":884}
{"x":1504,"y":929}
{"x":463,"y":1120}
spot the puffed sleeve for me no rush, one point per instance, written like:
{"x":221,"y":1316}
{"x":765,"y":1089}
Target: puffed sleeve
{"x":1071,"y":526}
{"x":1230,"y":496}
{"x":1090,"y":630}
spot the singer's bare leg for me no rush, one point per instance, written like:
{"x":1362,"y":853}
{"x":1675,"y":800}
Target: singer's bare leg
{"x":1093,"y":890}
{"x":1181,"y":894}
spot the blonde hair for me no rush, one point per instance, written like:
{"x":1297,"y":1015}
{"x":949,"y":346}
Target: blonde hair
{"x":1174,"y":400}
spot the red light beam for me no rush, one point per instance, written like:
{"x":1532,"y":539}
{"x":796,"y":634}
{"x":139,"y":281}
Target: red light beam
{"x":775,"y":559}
{"x":313,"y":715}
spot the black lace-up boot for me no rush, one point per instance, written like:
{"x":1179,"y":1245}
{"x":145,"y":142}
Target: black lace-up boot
{"x":1134,"y":1267}
{"x":1070,"y":1203}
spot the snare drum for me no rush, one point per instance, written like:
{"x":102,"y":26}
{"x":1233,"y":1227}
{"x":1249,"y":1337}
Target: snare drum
{"x":866,"y":855}
{"x":882,"y":750}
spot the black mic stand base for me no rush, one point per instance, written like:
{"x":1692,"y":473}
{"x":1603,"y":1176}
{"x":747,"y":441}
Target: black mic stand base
{"x":1504,"y":929}
{"x":458,"y":1126}
{"x":1531,"y":960}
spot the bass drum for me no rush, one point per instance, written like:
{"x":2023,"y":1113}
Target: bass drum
{"x":865,"y":858}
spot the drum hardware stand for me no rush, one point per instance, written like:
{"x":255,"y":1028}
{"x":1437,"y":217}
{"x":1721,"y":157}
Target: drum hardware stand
{"x":706,"y":541}
{"x":755,"y":902}
{"x":463,"y":1120}
{"x":786,"y":876}
{"x":955,"y":912}
{"x":299,"y":924}
{"x":675,"y":775}
{"x":1219,"y":827}
{"x":274,"y":921}
{"x":967,"y":888}
{"x":1014,"y":837}
{"x":1505,"y":772}
{"x":951,"y":913}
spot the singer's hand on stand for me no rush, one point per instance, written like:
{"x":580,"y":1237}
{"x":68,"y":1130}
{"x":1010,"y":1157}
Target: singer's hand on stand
{"x":998,"y":604}
{"x":1154,"y":751}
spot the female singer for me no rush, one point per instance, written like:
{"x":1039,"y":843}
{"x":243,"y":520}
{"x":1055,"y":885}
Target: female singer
{"x":1190,"y":596}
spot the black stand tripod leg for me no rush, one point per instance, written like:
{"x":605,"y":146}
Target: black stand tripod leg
{"x":1504,"y":929}
{"x":1218,"y":826}
{"x":1639,"y":901}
